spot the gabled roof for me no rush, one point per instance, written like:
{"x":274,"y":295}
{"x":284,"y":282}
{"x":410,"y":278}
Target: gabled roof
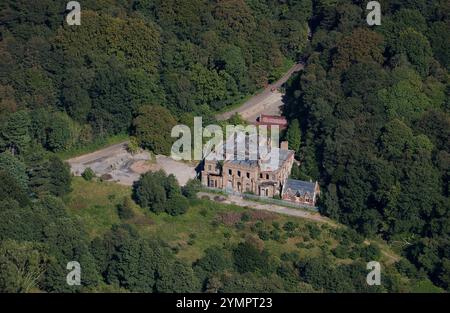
{"x":300,"y":187}
{"x":264,"y":119}
{"x":274,"y":162}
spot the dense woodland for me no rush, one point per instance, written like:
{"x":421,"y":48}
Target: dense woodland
{"x":373,"y":108}
{"x":369,"y":117}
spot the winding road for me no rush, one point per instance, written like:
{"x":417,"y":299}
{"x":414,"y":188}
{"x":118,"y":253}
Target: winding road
{"x":268,"y":101}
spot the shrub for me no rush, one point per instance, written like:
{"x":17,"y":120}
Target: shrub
{"x":314,"y":231}
{"x":275,"y":235}
{"x":247,"y":258}
{"x":290,"y":226}
{"x":191,"y":188}
{"x":371,"y":253}
{"x":264,"y":235}
{"x":88,"y":174}
{"x":133,"y":145}
{"x":245,"y":217}
{"x":125,"y":209}
{"x":290,"y":256}
{"x":341,"y":252}
{"x":406,"y":268}
{"x":177,"y":205}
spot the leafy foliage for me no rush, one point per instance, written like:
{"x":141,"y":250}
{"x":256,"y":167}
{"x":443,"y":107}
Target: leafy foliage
{"x":365,"y":102}
{"x":160,"y":193}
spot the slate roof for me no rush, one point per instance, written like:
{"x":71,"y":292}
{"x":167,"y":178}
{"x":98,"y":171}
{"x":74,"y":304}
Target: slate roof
{"x":301,"y":187}
{"x":243,"y":159}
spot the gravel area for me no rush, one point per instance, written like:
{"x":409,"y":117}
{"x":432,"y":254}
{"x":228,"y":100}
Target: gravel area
{"x":125,"y":168}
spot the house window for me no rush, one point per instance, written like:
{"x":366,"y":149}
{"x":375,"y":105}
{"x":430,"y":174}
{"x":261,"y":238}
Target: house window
{"x":230,"y":172}
{"x":248,"y":175}
{"x":260,"y":175}
{"x":239,"y":173}
{"x":209,"y":167}
{"x":267,"y":176}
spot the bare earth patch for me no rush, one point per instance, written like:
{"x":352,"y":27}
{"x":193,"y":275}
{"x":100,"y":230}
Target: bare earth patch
{"x":116,"y":164}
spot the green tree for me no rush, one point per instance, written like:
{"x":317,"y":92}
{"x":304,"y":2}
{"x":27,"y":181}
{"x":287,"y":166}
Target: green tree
{"x":247,"y":258}
{"x":293,"y":135}
{"x":149,"y":192}
{"x":416,"y":47}
{"x":125,"y":209}
{"x":15,"y":168}
{"x":11,"y":189}
{"x":176,"y":277}
{"x":160,"y":193}
{"x":152,"y":128}
{"x":60,"y":176}
{"x":191,"y":188}
{"x":22,"y":265}
{"x":176,"y":205}
{"x":88,"y":174}
{"x":16,"y":132}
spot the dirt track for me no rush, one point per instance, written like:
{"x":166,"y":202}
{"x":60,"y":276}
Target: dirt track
{"x":239,"y":201}
{"x":267,"y":101}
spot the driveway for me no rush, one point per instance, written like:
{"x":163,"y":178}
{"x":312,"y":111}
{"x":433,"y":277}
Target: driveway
{"x":239,"y":201}
{"x":267,"y":101}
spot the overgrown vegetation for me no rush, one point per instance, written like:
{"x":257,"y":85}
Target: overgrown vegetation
{"x":373,"y":115}
{"x":373,"y":107}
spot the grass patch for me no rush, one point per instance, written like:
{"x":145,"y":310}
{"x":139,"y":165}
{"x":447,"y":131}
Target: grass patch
{"x":206,"y":223}
{"x":95,"y":204}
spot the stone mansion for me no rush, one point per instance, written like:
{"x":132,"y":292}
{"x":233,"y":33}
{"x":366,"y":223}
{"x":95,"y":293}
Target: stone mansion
{"x":259,"y":177}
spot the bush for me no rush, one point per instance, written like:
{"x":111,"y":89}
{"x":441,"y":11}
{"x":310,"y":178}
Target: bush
{"x":290,"y":256}
{"x":133,"y":145}
{"x":341,"y":252}
{"x":240,"y":225}
{"x":406,"y":268}
{"x":191,"y":188}
{"x":290,"y":226}
{"x":177,"y":205}
{"x":275,"y":234}
{"x":88,"y":174}
{"x":314,"y":231}
{"x":160,"y":193}
{"x":245,"y":217}
{"x":125,"y":209}
{"x":371,"y":253}
{"x":264,"y":235}
{"x":247,"y":258}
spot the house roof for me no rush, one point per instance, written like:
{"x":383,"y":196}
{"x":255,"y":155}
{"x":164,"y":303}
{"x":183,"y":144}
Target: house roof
{"x":300,"y":187}
{"x":272,"y":120}
{"x":241,"y":157}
